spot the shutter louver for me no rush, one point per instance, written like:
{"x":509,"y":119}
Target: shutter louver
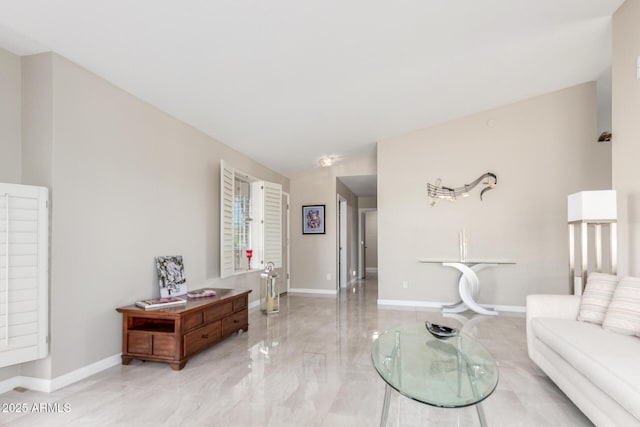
{"x":227,"y":177}
{"x":272,"y":227}
{"x":23,"y":273}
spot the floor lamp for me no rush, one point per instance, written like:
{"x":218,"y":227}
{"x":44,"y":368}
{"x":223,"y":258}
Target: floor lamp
{"x":591,"y":209}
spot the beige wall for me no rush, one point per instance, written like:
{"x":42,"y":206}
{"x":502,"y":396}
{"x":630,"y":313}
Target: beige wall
{"x":10,"y":136}
{"x":313,"y":257}
{"x":541,"y":149}
{"x":37,"y":120}
{"x":10,"y":121}
{"x":37,"y":154}
{"x":367,"y":202}
{"x":129,"y":183}
{"x":626,"y":133}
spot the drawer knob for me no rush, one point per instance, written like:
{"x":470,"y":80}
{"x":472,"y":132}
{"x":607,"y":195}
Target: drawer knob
{"x":236,"y":321}
{"x":205,"y":336}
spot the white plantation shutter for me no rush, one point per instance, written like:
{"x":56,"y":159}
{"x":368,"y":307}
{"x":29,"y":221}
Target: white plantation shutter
{"x":266,"y":227}
{"x":266,"y":232}
{"x":24,"y":258}
{"x":227,"y":176}
{"x":272,"y":223}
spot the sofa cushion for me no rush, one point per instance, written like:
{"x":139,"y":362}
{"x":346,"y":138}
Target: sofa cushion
{"x":623,"y":314}
{"x":597,"y":296}
{"x":608,"y":360}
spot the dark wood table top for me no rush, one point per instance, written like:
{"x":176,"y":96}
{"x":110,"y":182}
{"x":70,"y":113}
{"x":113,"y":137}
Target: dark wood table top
{"x":191,"y":305}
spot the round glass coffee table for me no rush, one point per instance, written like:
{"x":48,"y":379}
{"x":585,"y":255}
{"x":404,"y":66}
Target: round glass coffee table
{"x":447,"y":373}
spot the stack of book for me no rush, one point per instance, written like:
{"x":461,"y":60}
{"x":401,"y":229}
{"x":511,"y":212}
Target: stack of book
{"x":149,"y":304}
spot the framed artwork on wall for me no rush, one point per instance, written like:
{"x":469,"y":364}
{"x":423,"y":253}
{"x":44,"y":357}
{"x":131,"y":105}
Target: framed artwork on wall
{"x":313,"y":219}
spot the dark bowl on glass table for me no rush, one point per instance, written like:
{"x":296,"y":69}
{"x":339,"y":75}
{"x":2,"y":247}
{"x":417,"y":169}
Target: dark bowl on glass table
{"x":440,"y":331}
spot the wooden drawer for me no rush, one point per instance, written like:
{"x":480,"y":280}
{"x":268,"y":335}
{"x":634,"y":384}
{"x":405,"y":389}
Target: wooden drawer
{"x":202,"y":338}
{"x":239,"y":303}
{"x":235,"y":322}
{"x":139,"y":342}
{"x":193,"y":320}
{"x":157,"y":344}
{"x":217,"y":312}
{"x":164,"y":345}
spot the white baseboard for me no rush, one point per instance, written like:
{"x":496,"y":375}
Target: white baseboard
{"x":430,"y":304}
{"x":313,"y":291}
{"x":47,"y":386}
{"x":509,"y":308}
{"x":9,"y":384}
{"x":371,"y":269}
{"x":82,"y":373}
{"x":254,"y":304}
{"x":409,"y":303}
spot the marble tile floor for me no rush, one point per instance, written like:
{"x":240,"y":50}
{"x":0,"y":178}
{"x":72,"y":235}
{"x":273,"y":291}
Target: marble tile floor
{"x":309,"y":365}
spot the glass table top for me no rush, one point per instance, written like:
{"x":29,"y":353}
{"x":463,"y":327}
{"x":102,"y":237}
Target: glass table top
{"x":451,"y":373}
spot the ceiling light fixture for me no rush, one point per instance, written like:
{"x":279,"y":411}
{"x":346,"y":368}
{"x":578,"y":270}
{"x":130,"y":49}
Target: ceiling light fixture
{"x":325,"y":162}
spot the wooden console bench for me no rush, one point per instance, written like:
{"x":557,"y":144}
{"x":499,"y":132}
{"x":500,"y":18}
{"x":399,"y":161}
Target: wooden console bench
{"x":175,"y":333}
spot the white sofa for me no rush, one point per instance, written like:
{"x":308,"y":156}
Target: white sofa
{"x":597,"y":369}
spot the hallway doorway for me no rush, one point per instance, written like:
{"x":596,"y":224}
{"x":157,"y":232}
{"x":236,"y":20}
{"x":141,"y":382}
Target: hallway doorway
{"x":362,"y":197}
{"x":368,"y":241}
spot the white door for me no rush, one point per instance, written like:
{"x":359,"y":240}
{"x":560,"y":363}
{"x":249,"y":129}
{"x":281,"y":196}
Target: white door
{"x":371,"y":241}
{"x":362,"y":237}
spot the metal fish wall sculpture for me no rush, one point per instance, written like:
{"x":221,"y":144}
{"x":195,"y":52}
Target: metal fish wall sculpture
{"x":440,"y":192}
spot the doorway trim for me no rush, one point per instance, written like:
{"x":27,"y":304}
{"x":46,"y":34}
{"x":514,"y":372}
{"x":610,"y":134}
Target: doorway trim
{"x":287,"y":249}
{"x":342,"y":242}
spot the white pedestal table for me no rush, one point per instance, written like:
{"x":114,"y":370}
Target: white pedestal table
{"x":468,"y":284}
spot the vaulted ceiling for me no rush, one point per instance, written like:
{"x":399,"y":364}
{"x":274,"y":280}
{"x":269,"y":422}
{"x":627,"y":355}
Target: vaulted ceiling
{"x":290,"y":81}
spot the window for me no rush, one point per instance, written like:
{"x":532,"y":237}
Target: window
{"x":250,"y":222}
{"x":241,"y":222}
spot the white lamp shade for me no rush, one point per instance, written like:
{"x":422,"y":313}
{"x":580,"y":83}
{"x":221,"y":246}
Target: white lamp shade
{"x":592,"y":206}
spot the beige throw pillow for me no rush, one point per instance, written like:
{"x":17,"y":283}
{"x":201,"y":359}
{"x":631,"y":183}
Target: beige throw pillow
{"x":596,"y":297}
{"x":623,"y":315}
